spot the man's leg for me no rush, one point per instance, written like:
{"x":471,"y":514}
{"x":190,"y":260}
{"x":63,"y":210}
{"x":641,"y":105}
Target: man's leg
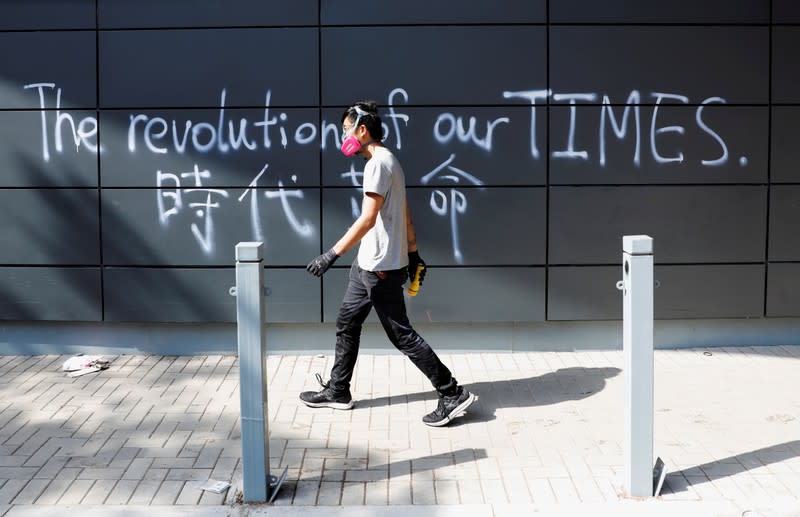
{"x":352,"y":313}
{"x":387,"y":297}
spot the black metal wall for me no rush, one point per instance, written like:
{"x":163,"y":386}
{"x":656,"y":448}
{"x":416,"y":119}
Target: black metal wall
{"x":140,"y":141}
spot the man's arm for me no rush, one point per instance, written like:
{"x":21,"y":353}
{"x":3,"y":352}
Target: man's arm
{"x":370,"y":208}
{"x":410,"y":233}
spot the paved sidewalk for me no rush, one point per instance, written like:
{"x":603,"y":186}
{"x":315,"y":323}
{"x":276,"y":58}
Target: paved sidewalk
{"x":546,"y":436}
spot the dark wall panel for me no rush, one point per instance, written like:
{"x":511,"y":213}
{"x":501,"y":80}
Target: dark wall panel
{"x":435,"y":65}
{"x":47,"y":14}
{"x":785,"y":64}
{"x":229,"y":144}
{"x":292,"y":295}
{"x":351,"y":12}
{"x":172,"y":226}
{"x":498,"y":226}
{"x":119,"y":14}
{"x":783,"y":290}
{"x":709,"y":291}
{"x":694,"y":62}
{"x":54,"y":293}
{"x":202,"y":295}
{"x":154,"y":136}
{"x":191,"y":68}
{"x":711,"y":144}
{"x":38,"y":149}
{"x":655,"y":11}
{"x":472,"y":294}
{"x":53,"y":60}
{"x":686,"y":291}
{"x":785,"y":152}
{"x":48,"y":226}
{"x":584,"y":293}
{"x":163,"y":295}
{"x":785,"y":11}
{"x":784,"y":222}
{"x":450,"y":146}
{"x":463,"y":294}
{"x":689,"y":224}
{"x":452,"y":225}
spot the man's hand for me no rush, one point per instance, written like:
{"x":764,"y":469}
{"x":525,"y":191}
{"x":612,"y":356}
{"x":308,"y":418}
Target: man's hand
{"x":414,"y":260}
{"x":319,"y":265}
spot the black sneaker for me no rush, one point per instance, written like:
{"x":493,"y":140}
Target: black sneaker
{"x":450,"y":407}
{"x":327,"y":397}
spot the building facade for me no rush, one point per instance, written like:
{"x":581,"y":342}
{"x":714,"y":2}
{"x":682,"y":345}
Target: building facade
{"x":140,"y":141}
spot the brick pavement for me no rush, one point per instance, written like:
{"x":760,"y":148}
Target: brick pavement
{"x":546,"y":430}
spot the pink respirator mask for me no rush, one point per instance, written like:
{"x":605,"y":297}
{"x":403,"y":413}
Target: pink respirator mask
{"x":350,"y":144}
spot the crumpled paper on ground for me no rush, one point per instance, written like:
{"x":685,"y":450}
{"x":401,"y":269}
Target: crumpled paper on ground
{"x":83,"y":364}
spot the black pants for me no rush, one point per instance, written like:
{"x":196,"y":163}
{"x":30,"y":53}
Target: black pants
{"x":364,"y":291}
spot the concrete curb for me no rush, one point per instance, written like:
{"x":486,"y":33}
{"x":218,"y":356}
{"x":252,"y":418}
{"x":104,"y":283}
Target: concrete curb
{"x":628,"y":508}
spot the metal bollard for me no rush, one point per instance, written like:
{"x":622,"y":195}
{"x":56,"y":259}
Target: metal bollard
{"x":637,"y":340}
{"x":250,"y":317}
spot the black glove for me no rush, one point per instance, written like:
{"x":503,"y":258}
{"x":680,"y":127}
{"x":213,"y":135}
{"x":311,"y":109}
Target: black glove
{"x":413,"y":261}
{"x":319,"y":265}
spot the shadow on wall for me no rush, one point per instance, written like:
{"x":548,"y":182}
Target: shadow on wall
{"x":550,"y":388}
{"x":70,"y":213}
{"x":80,"y":213}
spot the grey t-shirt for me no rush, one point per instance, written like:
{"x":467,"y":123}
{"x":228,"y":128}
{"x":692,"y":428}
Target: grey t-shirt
{"x":385,"y":246}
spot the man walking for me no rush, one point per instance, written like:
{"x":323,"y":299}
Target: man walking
{"x":386,"y":254}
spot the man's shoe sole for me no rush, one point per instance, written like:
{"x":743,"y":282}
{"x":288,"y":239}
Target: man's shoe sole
{"x":332,"y":405}
{"x":456,"y":412}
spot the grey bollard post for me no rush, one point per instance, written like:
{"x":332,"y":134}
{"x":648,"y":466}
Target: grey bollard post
{"x":252,"y":371}
{"x":637,"y":340}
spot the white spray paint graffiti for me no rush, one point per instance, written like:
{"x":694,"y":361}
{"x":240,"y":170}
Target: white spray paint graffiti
{"x":162,"y":137}
{"x":669,"y":129}
{"x":223,"y":137}
{"x":305,"y":229}
{"x":204,"y":237}
{"x":255,"y":217}
{"x":572,"y":97}
{"x":170,"y":202}
{"x":633,"y":103}
{"x":394,"y":116}
{"x":355,"y":180}
{"x":456,"y":203}
{"x":455,"y":128}
{"x":532,"y":96}
{"x":620,"y":129}
{"x":81,"y":134}
{"x":724,"y":157}
{"x":440,"y":203}
{"x":173,"y":195}
{"x":274,"y":131}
